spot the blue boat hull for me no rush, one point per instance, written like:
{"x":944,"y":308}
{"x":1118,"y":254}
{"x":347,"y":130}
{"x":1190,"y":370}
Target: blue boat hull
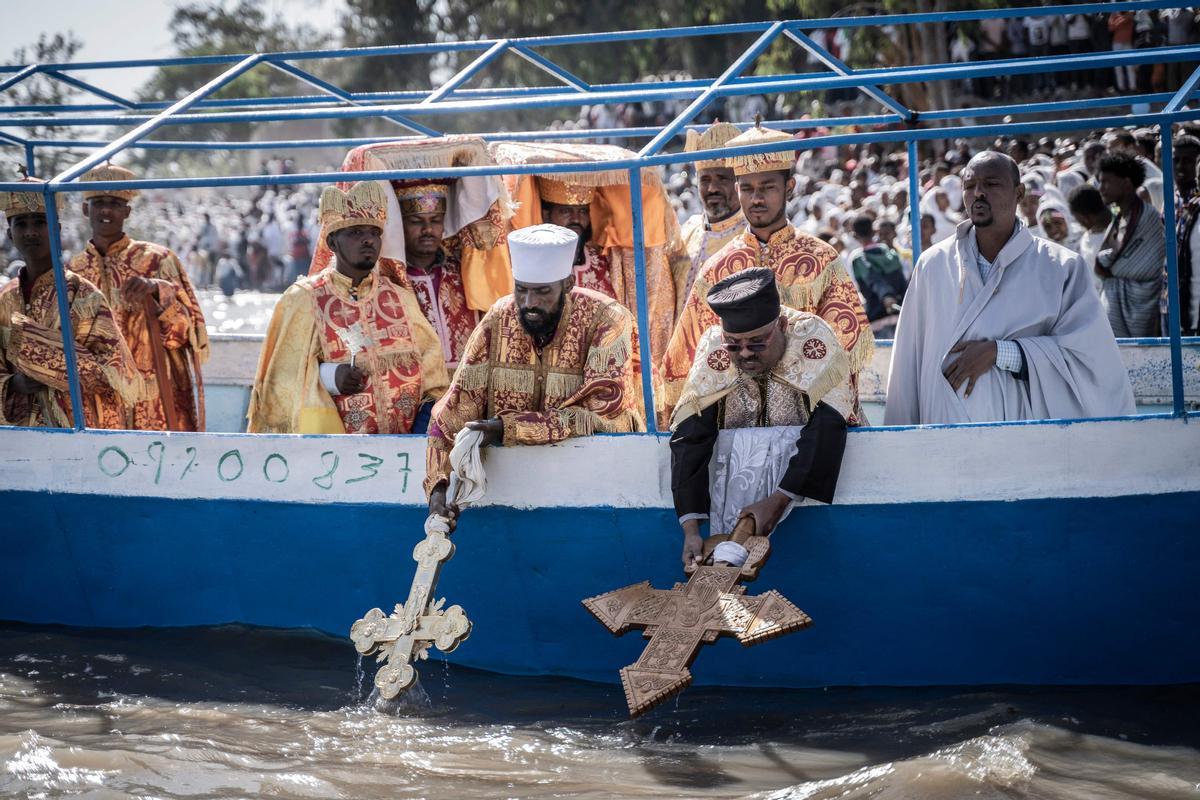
{"x":1043,"y":591}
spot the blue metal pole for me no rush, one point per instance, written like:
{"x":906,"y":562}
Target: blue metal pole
{"x":673,"y":91}
{"x":848,"y":139}
{"x":151,"y":125}
{"x":914,"y":200}
{"x":341,"y":94}
{"x":1022,"y":109}
{"x":71,"y":80}
{"x":626,"y":36}
{"x":1185,"y":91}
{"x":31,"y":159}
{"x":696,"y":106}
{"x":1173,"y":312}
{"x":505,"y":136}
{"x":64,"y":310}
{"x":466,"y":73}
{"x":840,"y":67}
{"x":539,"y":60}
{"x":643,"y":303}
{"x":10,"y":82}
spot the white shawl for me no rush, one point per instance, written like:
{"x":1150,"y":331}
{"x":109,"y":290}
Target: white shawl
{"x":1040,"y":295}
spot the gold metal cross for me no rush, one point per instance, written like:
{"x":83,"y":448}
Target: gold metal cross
{"x":408,"y":632}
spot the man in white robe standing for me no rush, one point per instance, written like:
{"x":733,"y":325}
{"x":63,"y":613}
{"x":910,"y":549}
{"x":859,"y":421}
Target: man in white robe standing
{"x":998,"y":325}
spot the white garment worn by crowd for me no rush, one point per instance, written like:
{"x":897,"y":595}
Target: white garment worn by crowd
{"x":1090,"y":244}
{"x":747,"y":465}
{"x":1054,"y":204}
{"x":1039,"y":295}
{"x":952,"y":186}
{"x":943,"y":221}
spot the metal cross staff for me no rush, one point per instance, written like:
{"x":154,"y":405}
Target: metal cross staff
{"x":409,"y":631}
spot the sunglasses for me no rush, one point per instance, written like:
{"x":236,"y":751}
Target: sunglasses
{"x":753,"y":347}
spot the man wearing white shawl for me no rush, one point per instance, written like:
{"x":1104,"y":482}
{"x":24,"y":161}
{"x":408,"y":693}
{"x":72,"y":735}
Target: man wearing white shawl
{"x":998,"y":325}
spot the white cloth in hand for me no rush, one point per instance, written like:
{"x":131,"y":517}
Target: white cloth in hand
{"x":468,"y":481}
{"x":731,"y":553}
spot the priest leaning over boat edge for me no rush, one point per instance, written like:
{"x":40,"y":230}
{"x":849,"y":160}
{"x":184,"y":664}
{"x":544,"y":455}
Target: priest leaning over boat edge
{"x":765,"y":365}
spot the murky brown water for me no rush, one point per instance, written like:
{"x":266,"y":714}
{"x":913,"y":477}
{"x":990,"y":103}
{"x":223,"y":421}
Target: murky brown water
{"x":237,"y":712}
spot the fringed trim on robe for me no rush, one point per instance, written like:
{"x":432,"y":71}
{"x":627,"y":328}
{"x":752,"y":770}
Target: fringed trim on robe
{"x":600,"y":356}
{"x":404,"y":359}
{"x":505,"y":379}
{"x":473,"y":377}
{"x":563,"y":384}
{"x":582,"y":422}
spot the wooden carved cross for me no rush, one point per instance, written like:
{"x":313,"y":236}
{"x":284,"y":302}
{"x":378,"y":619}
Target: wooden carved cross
{"x":677,"y":622}
{"x":408,"y":632}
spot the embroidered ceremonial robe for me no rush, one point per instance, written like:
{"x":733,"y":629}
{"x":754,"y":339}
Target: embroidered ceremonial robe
{"x":443,"y":301}
{"x":31,"y":343}
{"x":581,"y":383}
{"x":809,"y":387}
{"x":595,"y":273}
{"x":811,"y":278}
{"x":322,"y":319}
{"x":180,"y":323}
{"x":1039,"y":295}
{"x":700,"y":241}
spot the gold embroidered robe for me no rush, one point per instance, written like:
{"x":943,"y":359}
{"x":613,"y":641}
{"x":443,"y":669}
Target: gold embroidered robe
{"x":322,"y":319}
{"x":582,"y":382}
{"x":180,"y":322}
{"x":700,"y":241}
{"x":811,"y":278}
{"x":31,"y":343}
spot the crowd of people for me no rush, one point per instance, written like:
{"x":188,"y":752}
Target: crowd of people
{"x":1098,"y":197}
{"x":479,"y":310}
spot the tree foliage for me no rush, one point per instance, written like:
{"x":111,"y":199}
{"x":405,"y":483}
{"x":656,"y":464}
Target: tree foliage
{"x":219,"y":28}
{"x":41,"y":90}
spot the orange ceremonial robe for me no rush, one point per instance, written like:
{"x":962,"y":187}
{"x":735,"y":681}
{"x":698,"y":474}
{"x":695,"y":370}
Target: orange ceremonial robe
{"x":31,"y":343}
{"x":180,"y":324}
{"x":582,"y":382}
{"x":322,"y":319}
{"x":811,"y":278}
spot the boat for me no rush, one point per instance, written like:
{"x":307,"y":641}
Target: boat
{"x":1045,"y":552}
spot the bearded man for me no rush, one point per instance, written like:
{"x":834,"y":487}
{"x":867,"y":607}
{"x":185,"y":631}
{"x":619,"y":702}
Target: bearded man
{"x":549,"y":361}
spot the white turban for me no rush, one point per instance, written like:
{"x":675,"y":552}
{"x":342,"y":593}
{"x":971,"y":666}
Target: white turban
{"x":542,"y":253}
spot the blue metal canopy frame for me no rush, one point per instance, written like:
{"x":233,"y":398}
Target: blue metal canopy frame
{"x":453,"y":97}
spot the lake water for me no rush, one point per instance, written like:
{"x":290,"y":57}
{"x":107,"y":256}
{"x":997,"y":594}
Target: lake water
{"x":234,"y":712}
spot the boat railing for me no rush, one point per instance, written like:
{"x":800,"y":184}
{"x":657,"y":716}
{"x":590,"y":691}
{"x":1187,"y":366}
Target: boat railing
{"x":405,"y":109}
